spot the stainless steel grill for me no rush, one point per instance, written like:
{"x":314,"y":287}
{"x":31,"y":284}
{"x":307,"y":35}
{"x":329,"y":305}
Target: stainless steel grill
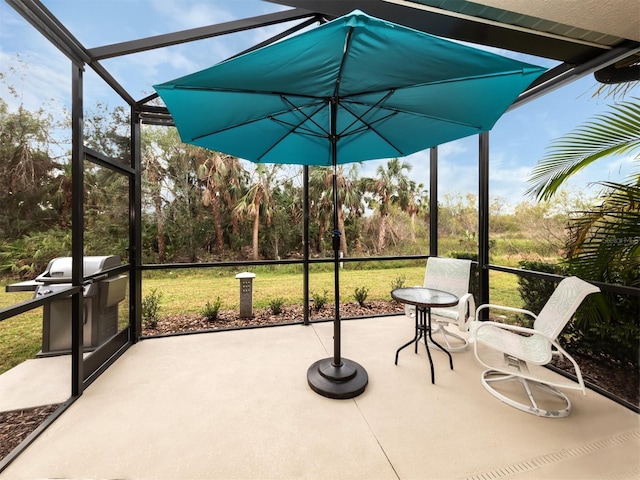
{"x":101,"y":298}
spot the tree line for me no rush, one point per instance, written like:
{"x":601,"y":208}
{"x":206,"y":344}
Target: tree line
{"x":241,"y":210}
{"x":200,"y":205}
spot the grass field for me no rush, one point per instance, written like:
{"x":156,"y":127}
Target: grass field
{"x":185,"y":291}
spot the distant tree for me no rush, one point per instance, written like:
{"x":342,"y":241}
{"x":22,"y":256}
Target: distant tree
{"x":349,"y":195}
{"x":26,"y":171}
{"x":390,"y":183}
{"x":458,"y":216}
{"x":212,"y":171}
{"x":258,"y":201}
{"x":236,"y":181}
{"x":106,"y":191}
{"x":224,"y":180}
{"x":155,"y":142}
{"x":414,"y":201}
{"x":321,"y":202}
{"x":107,"y":131}
{"x":286,"y":222}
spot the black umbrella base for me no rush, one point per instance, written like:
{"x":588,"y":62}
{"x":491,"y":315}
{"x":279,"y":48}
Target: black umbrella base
{"x":345,"y":381}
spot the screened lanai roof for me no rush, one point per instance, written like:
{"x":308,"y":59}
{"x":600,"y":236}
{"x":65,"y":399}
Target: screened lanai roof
{"x":584,"y":37}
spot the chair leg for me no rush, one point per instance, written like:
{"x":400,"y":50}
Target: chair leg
{"x":494,"y":376}
{"x":461,"y":343}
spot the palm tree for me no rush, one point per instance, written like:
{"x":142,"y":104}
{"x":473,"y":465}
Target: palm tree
{"x":320,"y":200}
{"x":235,"y":181}
{"x":154,"y":154}
{"x":258,"y":201}
{"x":349,"y":196}
{"x":414,"y":201}
{"x":605,"y":241}
{"x":212,"y":171}
{"x":387,"y":185}
{"x":287,"y":217}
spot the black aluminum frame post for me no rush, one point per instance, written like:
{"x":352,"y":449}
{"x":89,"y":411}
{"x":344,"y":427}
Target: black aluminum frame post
{"x":135,"y":229}
{"x":483,"y":220}
{"x":77,"y":226}
{"x":305,"y":242}
{"x":433,"y":201}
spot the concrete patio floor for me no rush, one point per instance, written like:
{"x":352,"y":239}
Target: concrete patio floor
{"x":236,"y":405}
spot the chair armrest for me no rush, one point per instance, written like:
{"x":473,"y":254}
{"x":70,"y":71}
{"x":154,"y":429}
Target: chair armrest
{"x":508,"y":309}
{"x":466,"y":310}
{"x":477,"y":326}
{"x":513,"y":328}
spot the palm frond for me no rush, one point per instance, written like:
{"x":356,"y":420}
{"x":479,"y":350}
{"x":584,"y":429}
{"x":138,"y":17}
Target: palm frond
{"x":615,"y":132}
{"x":604,"y":243}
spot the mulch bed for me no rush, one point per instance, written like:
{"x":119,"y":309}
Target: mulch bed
{"x":228,"y":319}
{"x":17,"y":425}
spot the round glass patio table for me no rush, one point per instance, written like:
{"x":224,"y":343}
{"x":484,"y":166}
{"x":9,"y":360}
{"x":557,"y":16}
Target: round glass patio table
{"x":423,"y":299}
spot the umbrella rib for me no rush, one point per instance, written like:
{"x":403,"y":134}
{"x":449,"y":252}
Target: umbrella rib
{"x":307,"y":117}
{"x":414,"y":113}
{"x":297,"y":128}
{"x":370,"y":126}
{"x":358,"y":118}
{"x":345,"y":54}
{"x":434,"y":82}
{"x":264,"y":117}
{"x":293,"y":126}
{"x":243,"y":90}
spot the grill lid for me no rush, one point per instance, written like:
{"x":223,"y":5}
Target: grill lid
{"x":59,"y":269}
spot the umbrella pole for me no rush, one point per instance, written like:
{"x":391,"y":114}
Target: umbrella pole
{"x":336,"y":377}
{"x":337,"y":361}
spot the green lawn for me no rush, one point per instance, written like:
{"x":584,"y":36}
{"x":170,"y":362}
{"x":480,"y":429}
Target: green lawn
{"x":190,"y":290}
{"x":20,"y":336}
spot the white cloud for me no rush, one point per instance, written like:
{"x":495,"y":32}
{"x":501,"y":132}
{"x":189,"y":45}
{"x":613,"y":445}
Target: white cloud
{"x":181,"y":14}
{"x":37,"y":78}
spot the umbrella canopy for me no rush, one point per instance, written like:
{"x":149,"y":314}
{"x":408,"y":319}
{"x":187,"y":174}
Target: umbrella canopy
{"x":357,"y":88}
{"x":395,"y":90}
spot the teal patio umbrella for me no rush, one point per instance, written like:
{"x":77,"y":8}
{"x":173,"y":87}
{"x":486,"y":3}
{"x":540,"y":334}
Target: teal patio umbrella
{"x":353,"y":89}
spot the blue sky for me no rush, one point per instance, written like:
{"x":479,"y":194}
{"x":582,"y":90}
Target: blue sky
{"x":517,"y":142}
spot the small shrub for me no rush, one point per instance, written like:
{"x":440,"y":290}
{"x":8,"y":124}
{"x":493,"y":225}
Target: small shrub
{"x":535,"y":291}
{"x":319,"y":300}
{"x":276,"y":305}
{"x":151,"y":308}
{"x":360,"y":294}
{"x":210,"y":311}
{"x":398,"y":282}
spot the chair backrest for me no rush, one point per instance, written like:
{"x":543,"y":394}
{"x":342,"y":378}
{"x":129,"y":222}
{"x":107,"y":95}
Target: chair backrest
{"x":450,"y":275}
{"x":562,"y":304}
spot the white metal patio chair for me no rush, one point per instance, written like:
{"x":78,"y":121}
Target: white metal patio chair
{"x":522,"y":353}
{"x":449,"y":275}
